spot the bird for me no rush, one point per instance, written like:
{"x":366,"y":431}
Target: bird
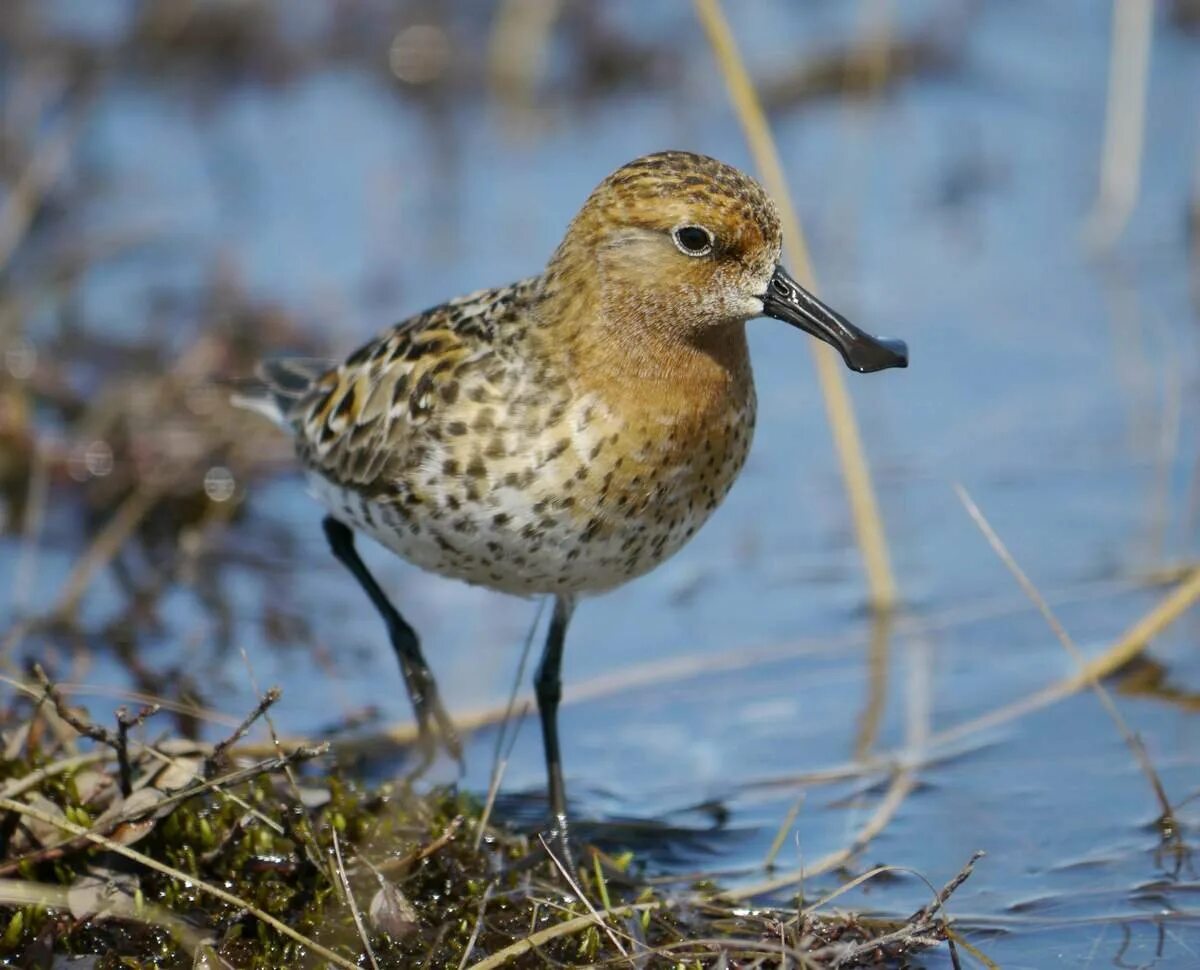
{"x":567,"y":433}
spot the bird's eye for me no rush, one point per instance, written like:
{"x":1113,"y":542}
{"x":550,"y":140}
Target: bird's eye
{"x":693,"y":240}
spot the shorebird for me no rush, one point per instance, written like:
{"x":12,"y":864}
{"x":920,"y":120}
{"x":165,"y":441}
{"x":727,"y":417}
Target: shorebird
{"x":567,"y":433}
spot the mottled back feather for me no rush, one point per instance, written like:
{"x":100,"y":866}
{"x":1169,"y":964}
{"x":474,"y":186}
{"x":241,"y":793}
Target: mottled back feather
{"x":354,"y":422}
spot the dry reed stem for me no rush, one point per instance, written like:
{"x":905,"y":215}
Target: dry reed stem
{"x":518,"y":48}
{"x":1127,"y":647}
{"x":502,"y":750}
{"x":674,"y":669}
{"x":215,"y":891}
{"x":1124,"y":123}
{"x":1030,"y":590}
{"x":864,"y":508}
{"x":871,"y":718}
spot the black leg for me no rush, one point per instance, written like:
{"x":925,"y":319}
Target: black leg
{"x":548,"y":687}
{"x":422,"y":690}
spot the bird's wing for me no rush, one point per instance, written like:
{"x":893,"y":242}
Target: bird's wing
{"x":354,"y":420}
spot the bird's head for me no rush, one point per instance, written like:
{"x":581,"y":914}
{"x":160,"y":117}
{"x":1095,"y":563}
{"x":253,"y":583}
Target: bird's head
{"x":681,"y":244}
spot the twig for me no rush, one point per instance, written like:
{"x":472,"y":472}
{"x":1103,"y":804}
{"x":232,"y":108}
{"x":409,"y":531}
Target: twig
{"x":106,"y":544}
{"x":124,"y":723}
{"x":264,"y":702}
{"x":97,"y":733}
{"x":161,"y":807}
{"x":307,"y":836}
{"x":31,"y":528}
{"x":119,"y":742}
{"x":390,"y":866}
{"x":49,"y":159}
{"x":929,"y":909}
{"x":917,"y":928}
{"x":188,"y":880}
{"x":265,"y":767}
{"x":868,"y":524}
{"x":83,"y":726}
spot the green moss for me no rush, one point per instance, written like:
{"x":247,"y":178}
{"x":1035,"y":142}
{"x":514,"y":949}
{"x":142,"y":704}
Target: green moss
{"x":278,"y":859}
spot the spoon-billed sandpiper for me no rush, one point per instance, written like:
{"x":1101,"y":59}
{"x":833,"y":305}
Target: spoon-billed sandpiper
{"x":569,"y":432}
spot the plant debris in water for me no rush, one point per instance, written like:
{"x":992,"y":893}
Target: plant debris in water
{"x":177,"y":854}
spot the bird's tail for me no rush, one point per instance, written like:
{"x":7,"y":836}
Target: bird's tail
{"x":279,"y":387}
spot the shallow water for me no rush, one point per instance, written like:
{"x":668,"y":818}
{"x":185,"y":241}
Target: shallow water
{"x":1058,"y":387}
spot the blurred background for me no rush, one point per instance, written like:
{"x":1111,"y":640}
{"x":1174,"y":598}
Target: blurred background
{"x":189,"y":185}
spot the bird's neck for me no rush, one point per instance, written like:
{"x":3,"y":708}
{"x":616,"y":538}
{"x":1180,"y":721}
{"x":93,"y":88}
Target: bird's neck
{"x":639,"y":354}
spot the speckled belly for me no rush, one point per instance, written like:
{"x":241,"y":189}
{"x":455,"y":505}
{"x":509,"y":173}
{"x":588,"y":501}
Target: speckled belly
{"x":576,"y":518}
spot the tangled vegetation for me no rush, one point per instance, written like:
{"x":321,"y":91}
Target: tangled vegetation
{"x":175,"y":854}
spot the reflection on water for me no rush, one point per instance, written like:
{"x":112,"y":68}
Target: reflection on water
{"x":323,"y":180}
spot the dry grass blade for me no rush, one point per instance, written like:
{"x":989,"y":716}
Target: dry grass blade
{"x":956,"y":938}
{"x":215,"y":891}
{"x":355,"y":913}
{"x":499,"y":767}
{"x":868,"y":524}
{"x":658,"y":672}
{"x":470,"y":947}
{"x":902,"y":785}
{"x":71,"y":689}
{"x":782,"y":832}
{"x":23,"y":892}
{"x":575,"y":887}
{"x":503,"y":750}
{"x":1026,"y":584}
{"x":531,"y":943}
{"x":18,"y":786}
{"x":1128,"y":646}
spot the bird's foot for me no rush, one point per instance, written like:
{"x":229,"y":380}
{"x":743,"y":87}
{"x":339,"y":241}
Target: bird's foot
{"x":557,"y":844}
{"x":435,"y":729}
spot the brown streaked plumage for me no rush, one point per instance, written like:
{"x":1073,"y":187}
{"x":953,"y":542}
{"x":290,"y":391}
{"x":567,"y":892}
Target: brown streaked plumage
{"x":569,"y":432}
